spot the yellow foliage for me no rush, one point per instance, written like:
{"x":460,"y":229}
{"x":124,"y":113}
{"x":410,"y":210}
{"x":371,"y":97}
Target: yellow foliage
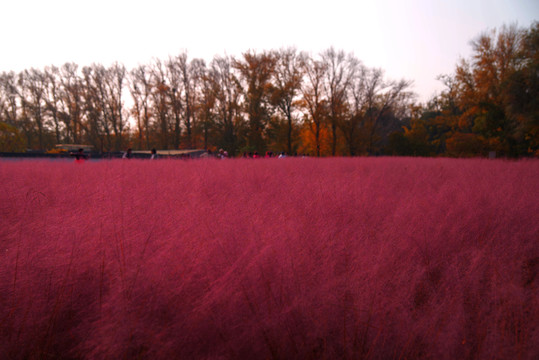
{"x":10,"y":139}
{"x":56,"y":151}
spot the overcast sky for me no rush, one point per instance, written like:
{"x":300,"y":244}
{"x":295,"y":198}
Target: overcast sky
{"x":412,"y":39}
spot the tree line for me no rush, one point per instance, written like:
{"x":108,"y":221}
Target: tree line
{"x":286,"y":100}
{"x":490,"y":102}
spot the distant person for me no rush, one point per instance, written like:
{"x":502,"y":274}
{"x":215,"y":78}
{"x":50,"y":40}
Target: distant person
{"x":80,"y":156}
{"x":154,"y":154}
{"x":282,"y":155}
{"x":127,"y":154}
{"x":222,"y":154}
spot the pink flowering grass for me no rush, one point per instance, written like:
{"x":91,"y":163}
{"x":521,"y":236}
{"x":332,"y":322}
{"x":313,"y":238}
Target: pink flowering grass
{"x":365,"y":258}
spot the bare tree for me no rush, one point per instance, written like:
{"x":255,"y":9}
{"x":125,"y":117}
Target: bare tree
{"x":52,"y":99}
{"x":188,"y":75}
{"x":8,"y":98}
{"x":71,"y":100}
{"x":352,"y":123}
{"x":371,"y":99}
{"x":174,"y":69}
{"x":115,"y":81}
{"x":104,"y":104}
{"x":195,"y":82}
{"x":287,"y":80}
{"x":206,"y":99}
{"x":141,"y":89}
{"x":341,"y":70}
{"x":94,"y":124}
{"x":226,"y":92}
{"x":161,"y":93}
{"x":383,"y":97}
{"x":32,"y":84}
{"x":313,"y":100}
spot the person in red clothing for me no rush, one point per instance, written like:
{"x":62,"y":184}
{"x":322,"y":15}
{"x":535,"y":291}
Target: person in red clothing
{"x":80,"y":156}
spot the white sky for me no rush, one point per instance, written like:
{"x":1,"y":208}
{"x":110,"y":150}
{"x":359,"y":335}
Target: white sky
{"x":412,"y":39}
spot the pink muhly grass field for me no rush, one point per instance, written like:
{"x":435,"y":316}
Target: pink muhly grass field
{"x":366,"y":258}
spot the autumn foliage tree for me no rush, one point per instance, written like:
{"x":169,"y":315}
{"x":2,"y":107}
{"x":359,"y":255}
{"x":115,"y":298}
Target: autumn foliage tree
{"x":255,"y":74}
{"x":10,"y":139}
{"x":490,"y":102}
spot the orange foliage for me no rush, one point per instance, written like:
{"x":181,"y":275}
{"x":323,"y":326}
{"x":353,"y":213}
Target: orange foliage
{"x":465,"y":145}
{"x":308,"y":141}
